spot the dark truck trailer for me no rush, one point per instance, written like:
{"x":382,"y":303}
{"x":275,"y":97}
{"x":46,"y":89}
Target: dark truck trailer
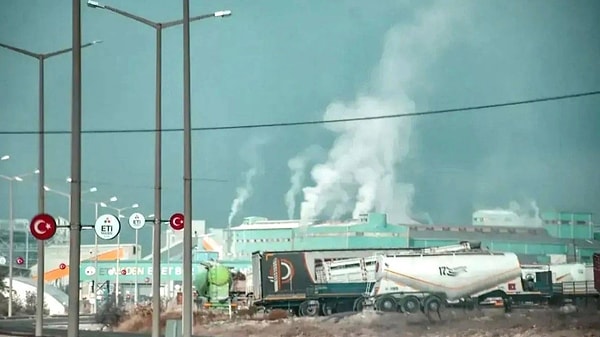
{"x":289,"y":280}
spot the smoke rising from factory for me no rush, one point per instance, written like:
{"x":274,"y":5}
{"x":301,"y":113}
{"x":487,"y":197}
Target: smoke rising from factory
{"x":298,"y":167}
{"x":361,"y":172}
{"x":250,"y":155}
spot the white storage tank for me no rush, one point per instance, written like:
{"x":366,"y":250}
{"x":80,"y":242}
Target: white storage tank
{"x":457,"y":275}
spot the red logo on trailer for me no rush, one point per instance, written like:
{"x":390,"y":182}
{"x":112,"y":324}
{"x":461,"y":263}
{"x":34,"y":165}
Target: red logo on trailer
{"x":62,"y":266}
{"x":176,"y":221}
{"x":20,"y":260}
{"x":123,"y":272}
{"x":512,"y":286}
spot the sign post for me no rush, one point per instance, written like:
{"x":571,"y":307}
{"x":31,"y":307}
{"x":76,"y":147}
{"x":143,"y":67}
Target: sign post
{"x":108,"y":227}
{"x":137,"y":222}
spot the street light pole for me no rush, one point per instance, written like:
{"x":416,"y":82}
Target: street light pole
{"x":156,"y":244}
{"x":187,"y":178}
{"x":39,"y":314}
{"x":118,"y":271}
{"x":11,"y":232}
{"x":75,"y":216}
{"x":96,"y":204}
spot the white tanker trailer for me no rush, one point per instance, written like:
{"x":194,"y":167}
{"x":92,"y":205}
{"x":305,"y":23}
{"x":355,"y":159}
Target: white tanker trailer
{"x":424,"y":281}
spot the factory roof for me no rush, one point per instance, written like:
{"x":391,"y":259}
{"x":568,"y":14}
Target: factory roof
{"x":508,"y":234}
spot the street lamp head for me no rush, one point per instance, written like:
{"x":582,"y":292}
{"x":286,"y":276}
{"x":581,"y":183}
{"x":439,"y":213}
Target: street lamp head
{"x":69,"y":179}
{"x":103,"y":204}
{"x":93,"y":189}
{"x":96,"y":41}
{"x":46,"y":188}
{"x":95,"y":4}
{"x":36,"y":171}
{"x":223,"y":13}
{"x":112,"y":199}
{"x":5,"y":157}
{"x":135,"y":206}
{"x":17,"y":178}
{"x":151,"y":216}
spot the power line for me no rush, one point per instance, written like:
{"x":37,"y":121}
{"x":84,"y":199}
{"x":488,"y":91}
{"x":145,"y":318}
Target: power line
{"x":329,"y":121}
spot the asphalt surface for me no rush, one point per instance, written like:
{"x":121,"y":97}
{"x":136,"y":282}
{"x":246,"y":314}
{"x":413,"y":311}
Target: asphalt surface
{"x":25,"y":327}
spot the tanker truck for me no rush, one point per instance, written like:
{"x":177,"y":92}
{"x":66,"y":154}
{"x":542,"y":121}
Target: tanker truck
{"x":419,"y":281}
{"x":323,"y":282}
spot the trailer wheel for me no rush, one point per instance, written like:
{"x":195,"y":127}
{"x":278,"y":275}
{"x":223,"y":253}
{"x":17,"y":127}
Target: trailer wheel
{"x":359,"y":304}
{"x":309,"y":308}
{"x":327,"y":308}
{"x":387,"y":304}
{"x":432,"y":304}
{"x":411,"y":304}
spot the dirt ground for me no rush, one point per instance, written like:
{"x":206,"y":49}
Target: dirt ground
{"x":455,"y":323}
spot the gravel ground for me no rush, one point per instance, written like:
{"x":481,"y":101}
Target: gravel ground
{"x":488,"y":323}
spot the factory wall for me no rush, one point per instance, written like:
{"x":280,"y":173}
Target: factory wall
{"x":370,"y":231}
{"x":569,"y":225}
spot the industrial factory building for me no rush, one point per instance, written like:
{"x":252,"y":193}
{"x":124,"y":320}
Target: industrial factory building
{"x":559,"y":237}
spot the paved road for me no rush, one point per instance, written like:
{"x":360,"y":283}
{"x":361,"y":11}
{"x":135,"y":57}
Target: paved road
{"x":26,"y":327}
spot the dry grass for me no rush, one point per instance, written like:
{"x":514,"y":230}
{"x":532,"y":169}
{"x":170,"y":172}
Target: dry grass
{"x":487,"y":323}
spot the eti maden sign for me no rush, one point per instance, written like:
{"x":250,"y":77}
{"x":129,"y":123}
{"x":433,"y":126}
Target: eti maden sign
{"x":108,"y":271}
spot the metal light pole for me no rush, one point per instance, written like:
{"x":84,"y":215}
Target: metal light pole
{"x":75,"y":216}
{"x":156,"y":246}
{"x":96,"y":204}
{"x":187,"y":179}
{"x":118,"y":271}
{"x":41,"y":202}
{"x":11,"y":226}
{"x":187,"y":174}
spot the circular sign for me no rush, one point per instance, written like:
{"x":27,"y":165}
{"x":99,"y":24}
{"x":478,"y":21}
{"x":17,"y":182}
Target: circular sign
{"x":2,"y":260}
{"x":137,"y":221}
{"x":43,"y":226}
{"x":123,"y":272}
{"x":20,"y":260}
{"x":107,"y":227}
{"x":62,"y":266}
{"x":90,"y":270}
{"x":176,"y":221}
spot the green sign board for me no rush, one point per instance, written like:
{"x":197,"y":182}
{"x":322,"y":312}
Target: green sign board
{"x":128,"y":270}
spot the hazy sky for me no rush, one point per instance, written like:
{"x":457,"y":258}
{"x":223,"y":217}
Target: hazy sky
{"x":277,"y":61}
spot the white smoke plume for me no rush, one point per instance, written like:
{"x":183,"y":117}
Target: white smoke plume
{"x":360,"y":174}
{"x":528,"y":216}
{"x":251,"y":156}
{"x":298,"y":166}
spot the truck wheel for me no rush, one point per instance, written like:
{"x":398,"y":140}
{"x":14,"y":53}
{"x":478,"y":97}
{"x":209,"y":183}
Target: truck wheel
{"x":327,"y":308}
{"x":432,"y":304}
{"x":411,"y":304}
{"x":359,"y":303}
{"x":387,"y":304}
{"x":309,"y":308}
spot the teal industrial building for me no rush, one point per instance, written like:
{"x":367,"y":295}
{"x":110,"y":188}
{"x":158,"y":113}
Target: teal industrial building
{"x":557,"y":236}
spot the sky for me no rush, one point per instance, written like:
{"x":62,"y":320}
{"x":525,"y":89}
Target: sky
{"x":283,"y":61}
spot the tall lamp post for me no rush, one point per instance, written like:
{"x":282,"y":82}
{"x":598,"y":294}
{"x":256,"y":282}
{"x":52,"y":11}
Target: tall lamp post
{"x":119,"y":215}
{"x":156,"y":246}
{"x":39,"y":314}
{"x":11,"y":225}
{"x":96,"y":204}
